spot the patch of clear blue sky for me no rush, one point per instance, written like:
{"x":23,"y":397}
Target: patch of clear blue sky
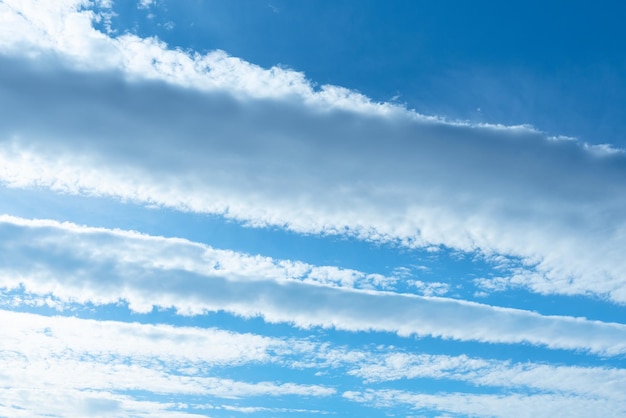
{"x":556,"y":65}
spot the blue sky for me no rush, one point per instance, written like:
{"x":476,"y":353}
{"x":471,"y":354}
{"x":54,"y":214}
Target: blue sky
{"x":268,"y":209}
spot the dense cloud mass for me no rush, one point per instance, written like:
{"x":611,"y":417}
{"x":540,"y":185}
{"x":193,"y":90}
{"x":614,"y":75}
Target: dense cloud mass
{"x":109,"y":116}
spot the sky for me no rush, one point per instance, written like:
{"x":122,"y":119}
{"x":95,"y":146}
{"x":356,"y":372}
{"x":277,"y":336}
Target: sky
{"x":297,"y":209}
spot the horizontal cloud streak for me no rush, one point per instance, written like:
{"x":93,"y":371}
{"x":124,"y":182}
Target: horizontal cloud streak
{"x":87,"y":265}
{"x":90,"y":363}
{"x":525,"y":406}
{"x":585,"y":381}
{"x":102,"y":356}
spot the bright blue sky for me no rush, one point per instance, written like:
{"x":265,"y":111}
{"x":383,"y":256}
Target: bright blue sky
{"x":543,"y":63}
{"x":274,"y":209}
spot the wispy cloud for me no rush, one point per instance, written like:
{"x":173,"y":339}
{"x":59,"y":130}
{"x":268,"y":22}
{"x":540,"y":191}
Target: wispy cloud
{"x":101,"y":366}
{"x":575,"y":380}
{"x":523,"y":406}
{"x":145,"y":4}
{"x":97,"y":367}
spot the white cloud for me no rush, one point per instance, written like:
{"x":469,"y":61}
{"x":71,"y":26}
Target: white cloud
{"x":91,"y":265}
{"x":141,"y":342}
{"x":100,"y":363}
{"x":95,"y":366}
{"x":145,"y":4}
{"x":430,"y":288}
{"x":599,"y":382}
{"x":493,"y":406}
{"x":88,"y":113}
{"x":265,"y":147}
{"x":45,"y":401}
{"x":256,"y":409}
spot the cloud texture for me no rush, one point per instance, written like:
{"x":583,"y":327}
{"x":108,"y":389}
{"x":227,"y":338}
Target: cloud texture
{"x":267,"y":148}
{"x":91,"y":112}
{"x":98,"y":266}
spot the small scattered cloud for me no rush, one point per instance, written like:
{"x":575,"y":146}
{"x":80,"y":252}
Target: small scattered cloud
{"x":145,"y":4}
{"x":430,"y":288}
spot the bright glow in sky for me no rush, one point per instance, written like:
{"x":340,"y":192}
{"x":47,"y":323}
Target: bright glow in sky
{"x":252,"y":209}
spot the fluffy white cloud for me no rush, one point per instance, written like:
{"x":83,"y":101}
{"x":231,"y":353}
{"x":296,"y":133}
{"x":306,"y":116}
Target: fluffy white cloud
{"x":100,"y":266}
{"x":212,"y":133}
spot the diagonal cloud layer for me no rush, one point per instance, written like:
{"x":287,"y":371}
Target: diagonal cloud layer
{"x":215,"y":134}
{"x":100,"y":266}
{"x":89,"y":111}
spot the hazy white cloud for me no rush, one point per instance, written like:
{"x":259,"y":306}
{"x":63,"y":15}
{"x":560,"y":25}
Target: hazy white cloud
{"x":94,"y":363}
{"x":213,"y":133}
{"x":114,"y":376}
{"x":600,"y":382}
{"x":493,"y":406}
{"x":20,"y":401}
{"x":93,"y":265}
{"x":145,"y":4}
{"x":256,"y":409}
{"x":91,"y":365}
{"x":143,"y":343}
